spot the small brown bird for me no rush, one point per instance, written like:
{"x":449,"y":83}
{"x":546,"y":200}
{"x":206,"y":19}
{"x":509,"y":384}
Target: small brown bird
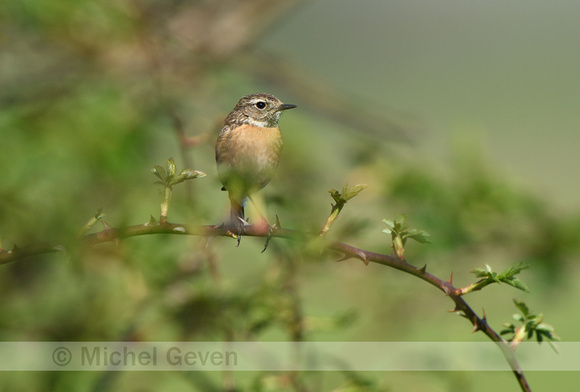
{"x":248,"y":149}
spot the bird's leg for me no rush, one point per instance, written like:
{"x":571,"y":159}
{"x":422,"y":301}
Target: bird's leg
{"x":237,"y":219}
{"x":240,"y":226}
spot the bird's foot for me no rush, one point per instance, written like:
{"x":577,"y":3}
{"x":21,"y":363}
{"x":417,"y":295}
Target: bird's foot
{"x":237,"y":228}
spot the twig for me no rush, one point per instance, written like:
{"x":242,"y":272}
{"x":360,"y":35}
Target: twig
{"x":455,"y":294}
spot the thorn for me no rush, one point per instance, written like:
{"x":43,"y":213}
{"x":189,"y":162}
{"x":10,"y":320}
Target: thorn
{"x":448,"y":291}
{"x":459,"y":312}
{"x":345,"y":257}
{"x":359,"y":255}
{"x":454,"y":310}
{"x":105,"y":224}
{"x":484,"y":318}
{"x":277,"y":224}
{"x":475,"y":328}
{"x":423,"y":269}
{"x":450,"y":281}
{"x":152,"y":222}
{"x":363,"y":257}
{"x":271,"y":230}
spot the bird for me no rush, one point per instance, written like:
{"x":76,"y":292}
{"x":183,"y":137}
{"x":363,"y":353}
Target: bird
{"x":247,"y":150}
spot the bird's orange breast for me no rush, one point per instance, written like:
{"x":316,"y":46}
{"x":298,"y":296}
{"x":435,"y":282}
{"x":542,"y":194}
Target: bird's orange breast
{"x":249,"y":152}
{"x":247,"y":144}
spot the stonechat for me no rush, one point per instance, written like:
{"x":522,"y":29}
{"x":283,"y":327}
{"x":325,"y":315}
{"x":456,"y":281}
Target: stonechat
{"x":248,"y":149}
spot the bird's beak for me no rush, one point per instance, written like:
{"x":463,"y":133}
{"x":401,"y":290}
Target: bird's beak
{"x":286,"y":106}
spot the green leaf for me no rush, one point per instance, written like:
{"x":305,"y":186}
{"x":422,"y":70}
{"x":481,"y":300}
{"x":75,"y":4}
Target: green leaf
{"x":522,"y":307}
{"x":336,"y":195}
{"x":188,"y":174}
{"x":171,"y":167}
{"x":507,"y":276}
{"x":537,"y":319}
{"x":340,"y":198}
{"x":159,"y":172}
{"x":167,"y":175}
{"x":508,"y":328}
{"x":514,"y":269}
{"x":518,"y":284}
{"x":546,"y":328}
{"x":389,"y":223}
{"x":519,"y":317}
{"x":400,"y":233}
{"x":531,"y":324}
{"x":400,"y":222}
{"x":480,"y":272}
{"x":352,"y":192}
{"x":420,"y":236}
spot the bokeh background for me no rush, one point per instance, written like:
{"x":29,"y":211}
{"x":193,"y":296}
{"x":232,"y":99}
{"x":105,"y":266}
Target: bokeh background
{"x":462,"y":115}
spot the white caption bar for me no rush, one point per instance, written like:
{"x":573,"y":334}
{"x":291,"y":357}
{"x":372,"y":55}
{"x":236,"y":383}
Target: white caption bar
{"x":282,"y":356}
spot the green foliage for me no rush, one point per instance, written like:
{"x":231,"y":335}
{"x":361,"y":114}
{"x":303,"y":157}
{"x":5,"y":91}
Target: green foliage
{"x":88,"y":99}
{"x":340,"y":199}
{"x":475,"y":207}
{"x":168,"y":178}
{"x":530,"y":324}
{"x":400,"y":233}
{"x":508,"y":276}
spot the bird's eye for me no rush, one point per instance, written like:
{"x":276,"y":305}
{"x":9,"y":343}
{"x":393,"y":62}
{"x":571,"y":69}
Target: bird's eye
{"x":260,"y":104}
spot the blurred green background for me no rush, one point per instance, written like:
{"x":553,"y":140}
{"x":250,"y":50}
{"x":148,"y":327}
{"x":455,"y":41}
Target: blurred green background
{"x":462,"y":115}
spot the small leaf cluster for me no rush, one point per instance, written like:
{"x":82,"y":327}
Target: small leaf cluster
{"x":531,"y":324}
{"x":508,"y":276}
{"x":400,"y":233}
{"x":168,"y":176}
{"x":340,"y":198}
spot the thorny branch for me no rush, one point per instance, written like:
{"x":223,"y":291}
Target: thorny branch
{"x":111,"y":234}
